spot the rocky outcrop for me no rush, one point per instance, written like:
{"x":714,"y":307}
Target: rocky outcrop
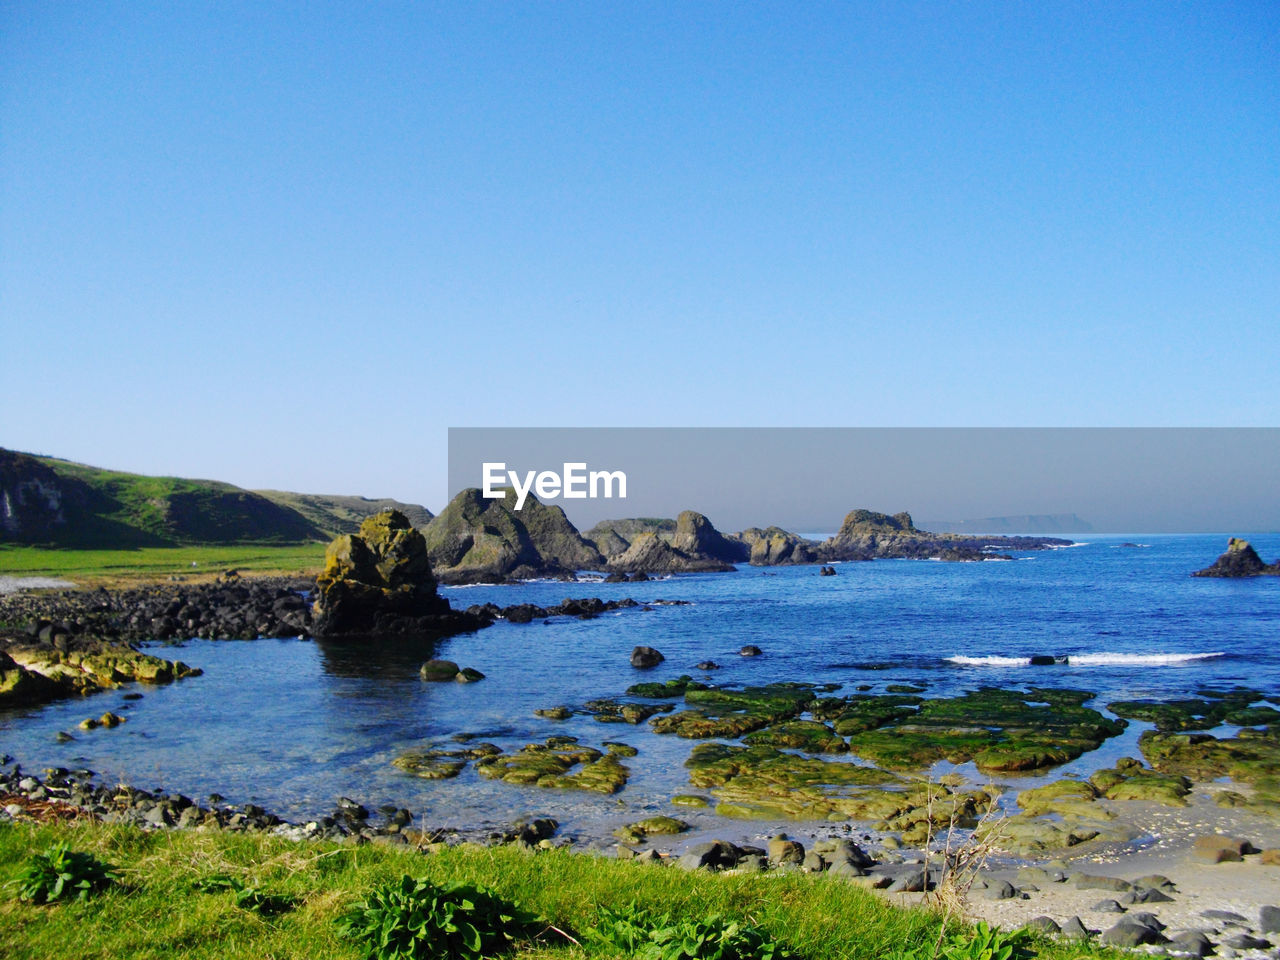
{"x":612,"y":537}
{"x":774,"y":546}
{"x":1240,"y":560}
{"x":477,"y":539}
{"x":652,"y":545}
{"x":379,"y":581}
{"x":696,"y":537}
{"x":866,"y":533}
{"x":648,"y":553}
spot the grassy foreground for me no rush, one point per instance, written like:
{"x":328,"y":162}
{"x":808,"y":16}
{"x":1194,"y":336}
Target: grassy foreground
{"x":159,"y":911}
{"x":149,"y":563}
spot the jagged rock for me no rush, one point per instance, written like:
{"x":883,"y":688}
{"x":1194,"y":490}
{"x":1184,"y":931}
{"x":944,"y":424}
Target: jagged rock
{"x":649,"y":553}
{"x":1240,"y":560}
{"x":774,"y":546}
{"x":380,"y":581}
{"x":477,"y":538}
{"x":1269,"y":919}
{"x":696,"y":537}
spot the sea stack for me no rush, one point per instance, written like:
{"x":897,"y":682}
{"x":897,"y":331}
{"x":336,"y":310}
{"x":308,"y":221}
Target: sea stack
{"x":1240,"y":560}
{"x":379,"y":581}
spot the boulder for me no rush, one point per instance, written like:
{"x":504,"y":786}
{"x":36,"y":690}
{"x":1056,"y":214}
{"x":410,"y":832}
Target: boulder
{"x":642,"y":658}
{"x":1213,"y":848}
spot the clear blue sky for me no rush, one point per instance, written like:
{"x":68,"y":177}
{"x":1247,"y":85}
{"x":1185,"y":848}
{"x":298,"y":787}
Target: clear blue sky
{"x":288,"y":245}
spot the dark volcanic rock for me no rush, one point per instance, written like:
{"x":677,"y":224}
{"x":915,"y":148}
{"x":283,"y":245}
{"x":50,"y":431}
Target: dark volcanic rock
{"x":645,"y":657}
{"x":1240,"y":560}
{"x":379,"y":581}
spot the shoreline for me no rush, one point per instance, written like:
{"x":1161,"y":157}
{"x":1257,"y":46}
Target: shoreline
{"x":1194,"y":901}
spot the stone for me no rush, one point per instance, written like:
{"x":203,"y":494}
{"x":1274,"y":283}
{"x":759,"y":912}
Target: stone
{"x":1246,"y":941}
{"x":1073,"y":929}
{"x":1191,"y":943}
{"x":1269,"y":919}
{"x":1151,"y":895}
{"x":468,"y":675}
{"x":750,"y":650}
{"x":999,"y":890}
{"x":1133,"y":931}
{"x":643,"y":658}
{"x":438,"y":670}
{"x":782,"y":850}
{"x":1090,"y":882}
{"x":1213,"y":848}
{"x":1270,"y":857}
{"x":1044,"y":925}
{"x":1107,"y":906}
{"x":711,"y":855}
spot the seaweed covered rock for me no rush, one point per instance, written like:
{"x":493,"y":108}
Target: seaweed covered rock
{"x":379,"y":581}
{"x":1240,"y":560}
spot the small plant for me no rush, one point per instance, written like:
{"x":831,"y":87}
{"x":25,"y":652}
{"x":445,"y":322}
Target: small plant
{"x":248,"y":897}
{"x":981,"y":942}
{"x":988,"y":943}
{"x":415,"y":918}
{"x":61,"y":873}
{"x":636,"y":932}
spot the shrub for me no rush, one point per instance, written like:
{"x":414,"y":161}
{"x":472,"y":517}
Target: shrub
{"x":636,"y":932}
{"x":415,"y":918}
{"x":61,"y":873}
{"x":981,"y":942}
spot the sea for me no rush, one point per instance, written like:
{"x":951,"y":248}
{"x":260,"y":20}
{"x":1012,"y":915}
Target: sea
{"x":294,"y":724}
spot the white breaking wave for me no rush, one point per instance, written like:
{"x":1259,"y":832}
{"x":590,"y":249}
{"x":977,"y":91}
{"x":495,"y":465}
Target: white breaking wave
{"x":1092,"y":659}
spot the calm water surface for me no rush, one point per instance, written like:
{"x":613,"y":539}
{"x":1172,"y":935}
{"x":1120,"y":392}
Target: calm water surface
{"x":294,"y":724}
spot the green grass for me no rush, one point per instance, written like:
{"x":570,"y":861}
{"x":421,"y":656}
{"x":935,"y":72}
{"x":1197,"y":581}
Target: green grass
{"x":159,"y":909}
{"x":145,"y":563}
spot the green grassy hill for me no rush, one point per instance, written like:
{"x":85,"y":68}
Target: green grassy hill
{"x":54,"y":502}
{"x":335,"y":514}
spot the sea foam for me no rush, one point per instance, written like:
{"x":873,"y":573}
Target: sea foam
{"x":1091,"y":659}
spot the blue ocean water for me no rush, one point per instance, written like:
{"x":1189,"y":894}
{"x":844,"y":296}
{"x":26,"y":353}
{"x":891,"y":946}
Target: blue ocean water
{"x":294,"y":724}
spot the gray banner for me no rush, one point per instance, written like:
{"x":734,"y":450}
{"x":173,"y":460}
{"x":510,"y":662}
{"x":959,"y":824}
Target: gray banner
{"x":806,"y":479}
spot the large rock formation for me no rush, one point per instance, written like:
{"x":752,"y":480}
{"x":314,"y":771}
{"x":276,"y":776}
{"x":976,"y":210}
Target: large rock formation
{"x":696,"y":537}
{"x":476,"y":538}
{"x":774,"y":546}
{"x":1240,"y":560}
{"x":612,"y":537}
{"x":379,"y":581}
{"x":649,"y":553}
{"x":688,"y":544}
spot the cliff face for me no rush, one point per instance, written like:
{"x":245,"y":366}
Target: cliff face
{"x":1240,"y":560}
{"x":478,"y":538}
{"x":35,"y":504}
